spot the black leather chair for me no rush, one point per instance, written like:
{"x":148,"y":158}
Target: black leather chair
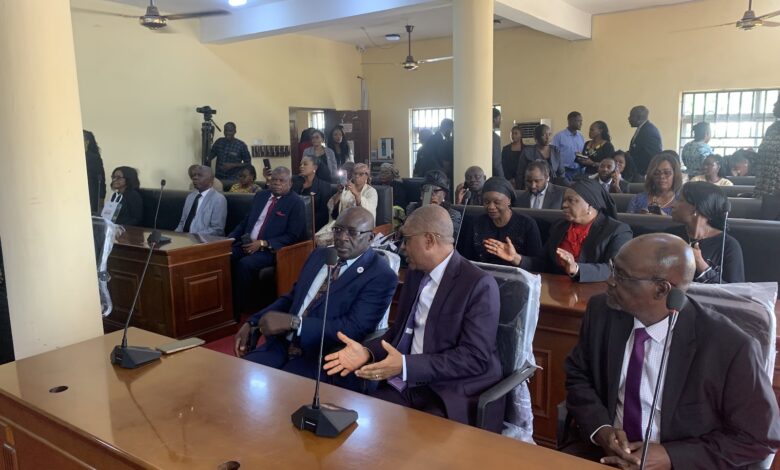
{"x":412,"y":188}
{"x":743,"y":180}
{"x":384,"y":207}
{"x":171,"y":206}
{"x":741,"y":207}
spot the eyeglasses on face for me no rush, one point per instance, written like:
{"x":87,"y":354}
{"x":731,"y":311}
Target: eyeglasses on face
{"x":351,"y":232}
{"x":664,"y":173}
{"x":620,"y":277}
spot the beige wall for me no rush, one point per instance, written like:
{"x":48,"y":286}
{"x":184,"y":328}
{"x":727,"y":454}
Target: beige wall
{"x":633,"y":58}
{"x":139,"y":89}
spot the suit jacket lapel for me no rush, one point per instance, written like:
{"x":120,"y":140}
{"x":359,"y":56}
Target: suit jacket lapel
{"x":442,"y":292}
{"x":594,"y":238}
{"x":619,"y":331}
{"x":681,"y":355}
{"x":350,"y":274}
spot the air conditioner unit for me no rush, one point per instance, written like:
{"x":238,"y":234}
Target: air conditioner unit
{"x":527,"y":129}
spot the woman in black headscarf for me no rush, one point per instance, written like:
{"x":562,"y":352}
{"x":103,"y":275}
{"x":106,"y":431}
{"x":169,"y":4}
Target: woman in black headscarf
{"x":501,"y":227}
{"x":583,"y":244}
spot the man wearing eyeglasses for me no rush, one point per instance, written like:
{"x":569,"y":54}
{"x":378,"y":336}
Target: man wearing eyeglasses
{"x":716,"y":409}
{"x":361,"y":289}
{"x":441,"y":352}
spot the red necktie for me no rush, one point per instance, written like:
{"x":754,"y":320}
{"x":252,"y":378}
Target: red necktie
{"x":268,"y":215}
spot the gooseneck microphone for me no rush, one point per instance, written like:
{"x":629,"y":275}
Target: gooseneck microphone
{"x":130,"y":357}
{"x":156,"y":237}
{"x":466,"y":199}
{"x":675,"y":301}
{"x":325,"y":420}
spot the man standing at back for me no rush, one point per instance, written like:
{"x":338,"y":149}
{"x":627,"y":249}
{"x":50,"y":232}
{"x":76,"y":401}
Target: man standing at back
{"x":440,"y":353}
{"x":716,"y":408}
{"x":277,"y":219}
{"x":498,"y":170}
{"x":205,"y":209}
{"x":570,"y":142}
{"x":231,"y":154}
{"x":646,"y":142}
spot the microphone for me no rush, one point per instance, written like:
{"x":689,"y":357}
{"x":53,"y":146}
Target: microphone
{"x":156,"y":237}
{"x":675,"y":301}
{"x":466,"y":199}
{"x":723,"y":246}
{"x":130,"y":357}
{"x":326,"y":420}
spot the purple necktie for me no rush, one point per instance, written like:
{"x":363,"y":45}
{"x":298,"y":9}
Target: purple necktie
{"x":632,"y":404}
{"x":405,"y":343}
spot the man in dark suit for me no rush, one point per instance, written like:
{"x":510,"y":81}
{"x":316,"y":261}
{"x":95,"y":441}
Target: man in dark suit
{"x":609,"y":178}
{"x":277,"y":219}
{"x":440,"y":353}
{"x":716,"y":408}
{"x":362,"y":286}
{"x":539,"y":193}
{"x":646,"y":142}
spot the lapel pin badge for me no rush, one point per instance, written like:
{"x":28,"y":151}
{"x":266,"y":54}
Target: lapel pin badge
{"x":360,"y":270}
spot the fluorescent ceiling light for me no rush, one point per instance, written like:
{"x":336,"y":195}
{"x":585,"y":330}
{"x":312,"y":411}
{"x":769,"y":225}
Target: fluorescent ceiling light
{"x":236,"y":3}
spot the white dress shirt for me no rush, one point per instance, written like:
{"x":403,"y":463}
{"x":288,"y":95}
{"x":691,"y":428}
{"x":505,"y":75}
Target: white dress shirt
{"x":424,"y":303}
{"x":256,"y":229}
{"x":321,"y":276}
{"x":654,"y":347}
{"x":200,"y":202}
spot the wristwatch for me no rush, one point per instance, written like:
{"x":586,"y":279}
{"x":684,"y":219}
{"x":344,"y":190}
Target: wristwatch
{"x":295,"y":322}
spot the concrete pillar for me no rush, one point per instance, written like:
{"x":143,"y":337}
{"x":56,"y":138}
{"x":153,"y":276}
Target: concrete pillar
{"x":45,"y":225}
{"x":472,"y":44}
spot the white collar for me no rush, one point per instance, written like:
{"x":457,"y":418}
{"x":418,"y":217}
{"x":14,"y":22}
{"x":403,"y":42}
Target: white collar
{"x":438,"y":272}
{"x":203,"y":194}
{"x":657,"y":331}
{"x":542,"y":192}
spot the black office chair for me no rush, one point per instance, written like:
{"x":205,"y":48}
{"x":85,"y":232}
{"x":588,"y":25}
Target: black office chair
{"x":520,"y":292}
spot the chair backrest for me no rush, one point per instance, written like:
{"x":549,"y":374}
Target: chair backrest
{"x":308,"y":205}
{"x":395,"y":264}
{"x":743,"y":180}
{"x":103,"y":235}
{"x":384,"y":207}
{"x":171,"y":206}
{"x":729,"y":191}
{"x":520,"y":293}
{"x":238,"y":206}
{"x":750,"y":306}
{"x":412,"y":188}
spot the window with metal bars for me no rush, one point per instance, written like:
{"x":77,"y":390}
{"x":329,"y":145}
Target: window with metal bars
{"x":737,"y":118}
{"x":427,"y":118}
{"x":317,"y":120}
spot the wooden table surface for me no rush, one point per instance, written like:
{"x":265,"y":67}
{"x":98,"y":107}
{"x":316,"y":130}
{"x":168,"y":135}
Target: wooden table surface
{"x":200,"y":408}
{"x":136,"y":237}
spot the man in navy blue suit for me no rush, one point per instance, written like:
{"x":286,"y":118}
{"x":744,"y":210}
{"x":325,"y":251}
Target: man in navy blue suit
{"x":441,"y":352}
{"x":362,"y":287}
{"x":646,"y":142}
{"x":277,"y":219}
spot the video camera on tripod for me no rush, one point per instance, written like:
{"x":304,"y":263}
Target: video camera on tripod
{"x":207,"y":132}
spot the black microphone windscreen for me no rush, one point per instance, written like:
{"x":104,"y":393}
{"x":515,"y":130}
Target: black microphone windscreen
{"x":331,"y":256}
{"x":162,"y":182}
{"x":676,"y":299}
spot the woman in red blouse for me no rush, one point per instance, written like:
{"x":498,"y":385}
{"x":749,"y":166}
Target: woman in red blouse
{"x":582,"y":244}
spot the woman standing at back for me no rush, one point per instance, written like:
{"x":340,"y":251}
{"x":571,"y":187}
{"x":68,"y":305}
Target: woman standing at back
{"x":339,"y":145}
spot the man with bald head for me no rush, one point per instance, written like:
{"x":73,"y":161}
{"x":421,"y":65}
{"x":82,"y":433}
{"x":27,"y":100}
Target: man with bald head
{"x":362,"y":287}
{"x":646,"y":142}
{"x":440,"y":353}
{"x":205,"y":209}
{"x":716,"y":408}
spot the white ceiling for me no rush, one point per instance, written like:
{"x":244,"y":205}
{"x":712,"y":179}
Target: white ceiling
{"x":430,"y":22}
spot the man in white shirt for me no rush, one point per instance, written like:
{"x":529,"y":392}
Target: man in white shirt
{"x":715,"y":409}
{"x":440,"y":353}
{"x":205,"y":209}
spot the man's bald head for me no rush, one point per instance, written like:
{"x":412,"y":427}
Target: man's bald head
{"x":356,"y":217}
{"x":431,"y":219}
{"x":638,"y":115}
{"x":662,"y":256}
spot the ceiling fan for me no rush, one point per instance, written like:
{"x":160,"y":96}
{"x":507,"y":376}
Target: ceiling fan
{"x":152,"y":19}
{"x":410,"y":63}
{"x":750,"y":21}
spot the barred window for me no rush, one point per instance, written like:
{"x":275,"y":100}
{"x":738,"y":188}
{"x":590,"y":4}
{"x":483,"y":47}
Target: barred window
{"x":738,"y":118}
{"x":317,"y":120}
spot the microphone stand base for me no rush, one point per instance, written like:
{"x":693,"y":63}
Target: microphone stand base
{"x":326,"y":421}
{"x":132,"y":357}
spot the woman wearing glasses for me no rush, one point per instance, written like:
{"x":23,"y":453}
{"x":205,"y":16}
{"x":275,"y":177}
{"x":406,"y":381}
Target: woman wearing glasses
{"x":582,"y":244}
{"x":357,"y":192}
{"x":500,"y":230}
{"x":703,"y":208}
{"x":439,"y":186}
{"x":124,"y":182}
{"x":663,"y":181}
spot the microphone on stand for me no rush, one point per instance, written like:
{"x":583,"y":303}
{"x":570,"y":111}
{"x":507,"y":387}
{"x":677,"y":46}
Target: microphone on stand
{"x":156,"y":237}
{"x":326,"y":420}
{"x":675,"y":301}
{"x":130,"y":357}
{"x":466,"y":199}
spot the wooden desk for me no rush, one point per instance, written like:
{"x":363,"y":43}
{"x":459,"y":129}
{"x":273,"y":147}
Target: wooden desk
{"x":187,"y":289}
{"x":200,"y":408}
